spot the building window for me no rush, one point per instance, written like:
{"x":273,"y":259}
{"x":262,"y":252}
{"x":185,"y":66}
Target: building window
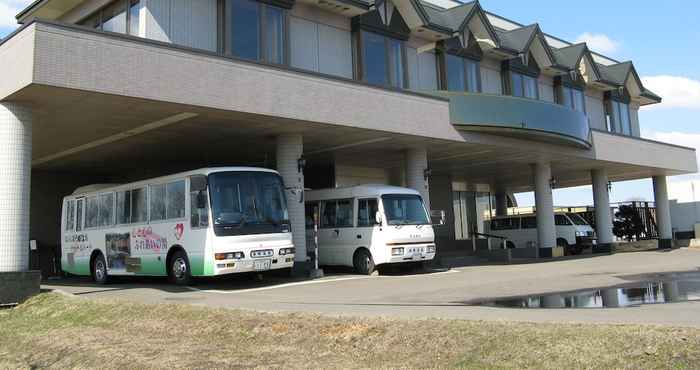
{"x":121,"y":16}
{"x":618,"y":118}
{"x":523,"y":86}
{"x":462,"y":74}
{"x":572,"y":98}
{"x":255,"y":31}
{"x":382,"y":60}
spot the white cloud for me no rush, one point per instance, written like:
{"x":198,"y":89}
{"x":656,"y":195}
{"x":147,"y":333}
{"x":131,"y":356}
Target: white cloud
{"x":685,"y":188}
{"x":9,"y":9}
{"x":676,"y":91}
{"x":599,"y":42}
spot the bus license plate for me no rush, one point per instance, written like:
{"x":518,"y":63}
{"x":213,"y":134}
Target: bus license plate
{"x":262,"y":265}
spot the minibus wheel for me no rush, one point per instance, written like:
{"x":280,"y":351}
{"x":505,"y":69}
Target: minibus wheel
{"x":98,"y":268}
{"x":179,"y":269}
{"x":364,"y":264}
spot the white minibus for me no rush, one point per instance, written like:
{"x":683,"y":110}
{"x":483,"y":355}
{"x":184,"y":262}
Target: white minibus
{"x":370,"y":225}
{"x":207,"y":222}
{"x":573,"y":231}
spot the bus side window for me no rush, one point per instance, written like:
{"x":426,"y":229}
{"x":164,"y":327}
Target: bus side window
{"x":343,"y":217}
{"x":175,"y":199}
{"x":366,"y":211}
{"x":157,"y":202}
{"x":92,"y":211}
{"x":79,"y":215}
{"x":199,"y":217}
{"x":106,"y":212}
{"x":309,"y":213}
{"x":329,"y":213}
{"x":70,"y":215}
{"x":124,"y":207}
{"x":139,"y":206}
{"x":561,"y":220}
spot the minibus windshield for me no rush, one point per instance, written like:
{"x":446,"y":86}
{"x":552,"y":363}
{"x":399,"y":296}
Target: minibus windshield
{"x":247,"y":198}
{"x":404,"y":209}
{"x":577,"y":219}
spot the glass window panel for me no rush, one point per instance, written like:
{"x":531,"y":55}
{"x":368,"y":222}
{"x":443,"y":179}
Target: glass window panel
{"x":343,"y":217}
{"x":175,"y":196}
{"x":79,"y":215}
{"x":92,"y":210}
{"x":616,"y":116}
{"x":199,"y":217}
{"x":70,"y":215}
{"x":566,"y":97}
{"x":366,"y":211}
{"x":107,"y":209}
{"x":374,"y":61}
{"x":139,"y":206}
{"x":530,"y":84}
{"x":529,"y":222}
{"x":579,"y":100}
{"x":396,"y":63}
{"x":328,"y":216}
{"x":625,"y":119}
{"x":114,"y":17}
{"x":157,"y":202}
{"x":244,"y":28}
{"x":455,"y":73}
{"x":134,"y":17}
{"x":561,"y":220}
{"x":124,"y":207}
{"x":472,"y":76}
{"x":516,"y":84}
{"x":274,"y":35}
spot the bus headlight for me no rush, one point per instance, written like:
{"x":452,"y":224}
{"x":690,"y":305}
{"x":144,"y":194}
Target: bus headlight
{"x":286,"y":251}
{"x":229,"y":256}
{"x":430,"y":249}
{"x":397,"y":251}
{"x":581,"y":233}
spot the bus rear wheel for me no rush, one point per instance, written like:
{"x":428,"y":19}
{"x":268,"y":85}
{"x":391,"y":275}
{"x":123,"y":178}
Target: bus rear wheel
{"x":363,"y":262}
{"x":179,"y":269}
{"x":98,"y":269}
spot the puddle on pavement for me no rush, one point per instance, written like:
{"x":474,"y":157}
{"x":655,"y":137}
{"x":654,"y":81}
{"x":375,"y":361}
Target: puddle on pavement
{"x":675,"y":288}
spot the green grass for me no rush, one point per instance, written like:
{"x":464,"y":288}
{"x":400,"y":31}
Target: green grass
{"x":57,"y":331}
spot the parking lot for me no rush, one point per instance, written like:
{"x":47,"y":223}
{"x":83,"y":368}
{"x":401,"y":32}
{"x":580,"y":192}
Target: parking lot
{"x":434,"y":294}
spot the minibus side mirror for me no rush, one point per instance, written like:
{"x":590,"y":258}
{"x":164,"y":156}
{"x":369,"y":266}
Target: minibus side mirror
{"x":201,"y":200}
{"x":198,"y":183}
{"x":378,"y":218}
{"x":440,"y":215}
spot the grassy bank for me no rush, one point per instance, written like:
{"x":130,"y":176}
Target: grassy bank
{"x":56,"y":331}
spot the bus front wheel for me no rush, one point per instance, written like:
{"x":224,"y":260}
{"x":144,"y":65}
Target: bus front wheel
{"x":364,"y":264}
{"x":99,"y":269}
{"x":179,"y":269}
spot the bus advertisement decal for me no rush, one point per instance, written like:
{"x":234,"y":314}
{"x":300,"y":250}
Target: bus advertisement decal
{"x":118,"y":251}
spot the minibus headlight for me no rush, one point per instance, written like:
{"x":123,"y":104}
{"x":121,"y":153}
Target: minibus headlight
{"x":286,"y":251}
{"x":397,"y":251}
{"x":581,"y":233}
{"x":430,"y":249}
{"x":229,"y":256}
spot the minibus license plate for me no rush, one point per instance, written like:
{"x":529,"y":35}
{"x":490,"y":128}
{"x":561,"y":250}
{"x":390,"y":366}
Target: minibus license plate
{"x":262,"y":265}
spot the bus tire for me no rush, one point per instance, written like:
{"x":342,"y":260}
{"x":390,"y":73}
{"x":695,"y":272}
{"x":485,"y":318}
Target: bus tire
{"x":179,"y":269}
{"x":363,"y":262}
{"x":98,"y":269}
{"x":564,"y":244}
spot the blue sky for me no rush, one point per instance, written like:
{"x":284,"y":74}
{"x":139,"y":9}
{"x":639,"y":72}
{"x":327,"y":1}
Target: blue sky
{"x":661,"y":38}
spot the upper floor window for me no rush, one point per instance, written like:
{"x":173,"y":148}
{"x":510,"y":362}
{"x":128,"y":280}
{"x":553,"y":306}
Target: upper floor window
{"x":462,"y":74}
{"x":255,"y":31}
{"x":523,"y":86}
{"x":121,"y":16}
{"x":618,"y":117}
{"x":572,"y":98}
{"x":382,"y":60}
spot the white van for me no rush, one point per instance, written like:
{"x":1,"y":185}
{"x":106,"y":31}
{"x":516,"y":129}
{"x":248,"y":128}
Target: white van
{"x":573,"y":231}
{"x":370,"y":225}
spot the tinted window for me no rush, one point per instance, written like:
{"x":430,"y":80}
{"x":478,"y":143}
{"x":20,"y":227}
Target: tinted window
{"x":528,"y":222}
{"x":505,"y":223}
{"x":456,"y":79}
{"x":199,"y":217}
{"x":374,"y":63}
{"x":530,"y":85}
{"x":472,"y":76}
{"x":139,"y":206}
{"x":244,"y":28}
{"x":124,"y":207}
{"x":247,"y":198}
{"x":328,"y":216}
{"x":516,"y":85}
{"x":106,"y":209}
{"x":579,"y":100}
{"x":310,"y":208}
{"x":79,"y":215}
{"x":343,"y":217}
{"x":274,"y":35}
{"x":561,"y":220}
{"x":396,"y":62}
{"x":175,"y":198}
{"x":70,"y":215}
{"x":157,"y":202}
{"x":404,"y":209}
{"x":366,"y":211}
{"x":577,"y":219}
{"x":92,"y":211}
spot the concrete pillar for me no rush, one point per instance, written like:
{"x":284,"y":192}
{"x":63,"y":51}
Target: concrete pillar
{"x":601,"y":202}
{"x":416,"y":165}
{"x":663,"y":212}
{"x":289,"y":149}
{"x":546,"y":231}
{"x":15,"y":174}
{"x":501,"y":204}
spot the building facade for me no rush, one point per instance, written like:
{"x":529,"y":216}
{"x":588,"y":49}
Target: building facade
{"x":465,"y":106}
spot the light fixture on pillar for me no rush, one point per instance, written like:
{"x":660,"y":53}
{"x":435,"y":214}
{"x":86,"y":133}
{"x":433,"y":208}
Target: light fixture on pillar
{"x":427,"y":173}
{"x":609,"y":186}
{"x":301,"y":164}
{"x":552,"y":183}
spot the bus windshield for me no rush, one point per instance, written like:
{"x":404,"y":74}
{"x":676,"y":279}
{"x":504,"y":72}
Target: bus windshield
{"x":247,"y":198}
{"x":404,"y":209}
{"x":577,"y":219}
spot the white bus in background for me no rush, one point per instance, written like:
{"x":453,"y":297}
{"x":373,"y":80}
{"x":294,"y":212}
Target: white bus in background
{"x":370,"y":225}
{"x":573,"y":231}
{"x":207,"y":222}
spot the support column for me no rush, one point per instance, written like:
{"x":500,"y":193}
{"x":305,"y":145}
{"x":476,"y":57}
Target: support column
{"x":501,"y":204}
{"x":546,"y":231}
{"x":289,"y":149}
{"x":416,"y":165}
{"x":601,"y":202}
{"x":663,"y":212}
{"x":16,"y":282}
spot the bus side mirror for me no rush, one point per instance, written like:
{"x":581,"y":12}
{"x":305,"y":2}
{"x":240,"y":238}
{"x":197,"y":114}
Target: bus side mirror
{"x":440,"y":215}
{"x":201,"y":200}
{"x":378,"y":218}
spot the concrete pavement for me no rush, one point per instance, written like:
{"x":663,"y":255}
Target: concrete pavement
{"x":438,"y":294}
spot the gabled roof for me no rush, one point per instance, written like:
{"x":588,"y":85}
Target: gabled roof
{"x":570,"y":57}
{"x":620,"y":75}
{"x":520,"y":41}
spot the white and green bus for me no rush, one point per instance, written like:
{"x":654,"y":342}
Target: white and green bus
{"x":207,"y":222}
